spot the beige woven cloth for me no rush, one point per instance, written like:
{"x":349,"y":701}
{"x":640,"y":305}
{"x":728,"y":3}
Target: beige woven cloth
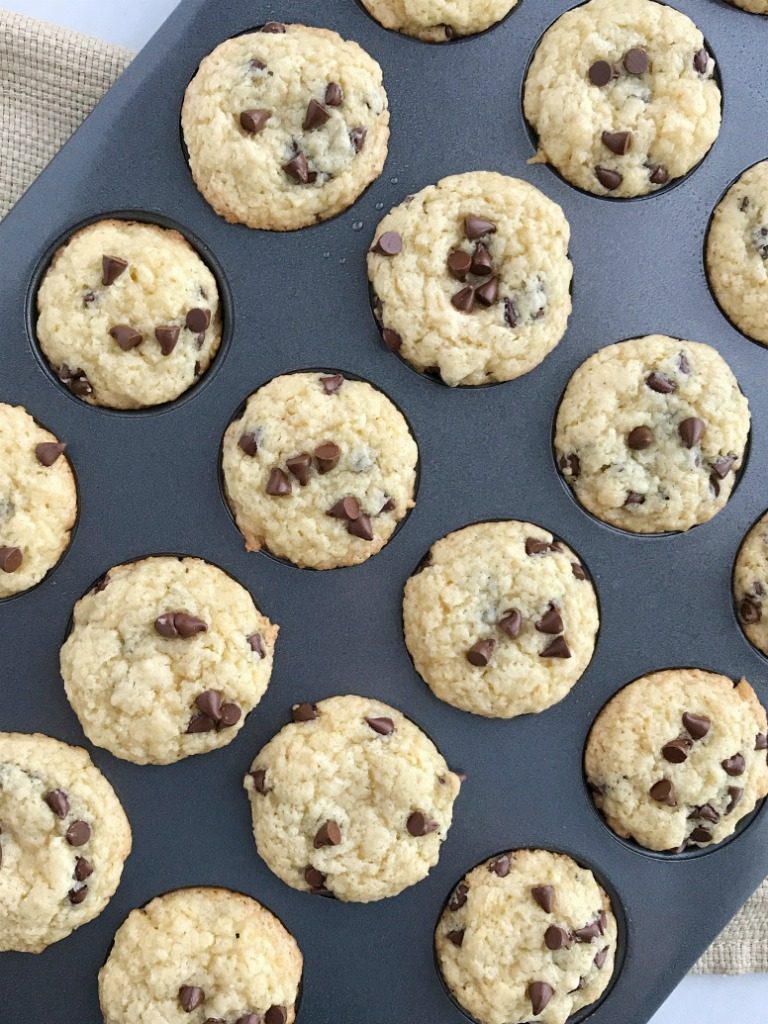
{"x":50,"y":79}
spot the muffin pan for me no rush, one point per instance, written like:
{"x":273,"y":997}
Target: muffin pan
{"x":148,"y":483}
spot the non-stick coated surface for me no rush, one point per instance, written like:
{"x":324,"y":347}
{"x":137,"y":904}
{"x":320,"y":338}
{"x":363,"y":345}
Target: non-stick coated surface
{"x":149,"y":483}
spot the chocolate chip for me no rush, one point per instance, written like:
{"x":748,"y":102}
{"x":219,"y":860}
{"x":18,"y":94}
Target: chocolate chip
{"x":544,"y":896}
{"x":601,"y":957}
{"x":419,"y":824}
{"x":636,"y":61}
{"x":58,"y":801}
{"x":659,"y":176}
{"x":357,"y":138}
{"x":278,"y":485}
{"x":663,"y":792}
{"x":304,"y":712}
{"x":111,"y":268}
{"x":750,"y":612}
{"x":200,"y":723}
{"x":76,"y":896}
{"x":190,"y":997}
{"x":487,"y":293}
{"x":332,"y":384}
{"x":633,"y":498}
{"x":464,"y":300}
{"x":388,"y":506}
{"x":298,"y":169}
{"x":660,"y":383}
{"x":126,"y":337}
{"x":618,"y":142}
{"x":706,"y":813}
{"x":533,"y":546}
{"x":231,"y":714}
{"x":697,"y":725}
{"x":480,"y":653}
{"x":602,"y":922}
{"x":179,"y":624}
{"x":735,"y":765}
{"x":676,"y":751}
{"x":47,"y":452}
{"x":640,"y":438}
{"x":361,"y":527}
{"x":392,"y":339}
{"x":254,"y":120}
{"x":347,"y":508}
{"x":275,"y":1015}
{"x":249,"y":443}
{"x":540,"y":993}
{"x":167,"y":338}
{"x":198,"y":320}
{"x":256,"y":64}
{"x":259,"y":777}
{"x":209,"y":702}
{"x":315,"y":117}
{"x":735,"y":793}
{"x":88,"y":298}
{"x":329,"y":834}
{"x":459,"y":264}
{"x":557,"y":649}
{"x":578,"y":571}
{"x":608,"y":178}
{"x":456,"y":936}
{"x":588,"y":933}
{"x":247,"y":1018}
{"x":511,"y":623}
{"x":556,"y":937}
{"x":334,"y":95}
{"x":511,"y":315}
{"x":723,"y":466}
{"x":601,"y":73}
{"x":83,"y":869}
{"x":478,"y":227}
{"x":327,"y":457}
{"x":701,"y":835}
{"x":691,"y":431}
{"x":275,"y":27}
{"x":481,"y":263}
{"x":701,"y":61}
{"x":383,"y":726}
{"x":572,"y":464}
{"x":78,"y":833}
{"x":501,"y":866}
{"x":761,"y":741}
{"x":299,"y":466}
{"x":315,"y":879}
{"x":551,"y":622}
{"x":75,"y":380}
{"x":459,"y":897}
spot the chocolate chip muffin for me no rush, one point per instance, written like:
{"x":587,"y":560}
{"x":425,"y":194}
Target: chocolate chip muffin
{"x":285,"y":127}
{"x":622,"y":96}
{"x":488,"y":255}
{"x":678,"y":758}
{"x":166,"y":658}
{"x":737,"y":253}
{"x":63,"y":840}
{"x":38,"y":500}
{"x":197,"y":955}
{"x":128,"y":315}
{"x":752,"y":6}
{"x":351,"y":800}
{"x":651,"y":433}
{"x":437,"y":21}
{"x":501,"y":619}
{"x":750,"y":585}
{"x":527,"y":935}
{"x":319,"y":469}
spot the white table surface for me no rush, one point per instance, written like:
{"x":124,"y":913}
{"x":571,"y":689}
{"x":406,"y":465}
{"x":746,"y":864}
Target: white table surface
{"x":698,"y":1000}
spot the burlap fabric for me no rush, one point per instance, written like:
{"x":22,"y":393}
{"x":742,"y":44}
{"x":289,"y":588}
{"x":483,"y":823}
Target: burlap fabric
{"x":50,"y":79}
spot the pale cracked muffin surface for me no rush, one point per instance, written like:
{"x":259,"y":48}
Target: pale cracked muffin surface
{"x":528,"y":935}
{"x":651,"y":434}
{"x":63,"y":840}
{"x":166,"y":658}
{"x":737,"y":253}
{"x":351,"y":799}
{"x":622,"y":96}
{"x":501,"y":619}
{"x":437,"y":21}
{"x":750,"y":585}
{"x":751,"y":6}
{"x":285,"y":127}
{"x":676,"y":759}
{"x":197,"y":955}
{"x":319,"y":469}
{"x":128,"y":315}
{"x":38,"y":500}
{"x":471,"y":278}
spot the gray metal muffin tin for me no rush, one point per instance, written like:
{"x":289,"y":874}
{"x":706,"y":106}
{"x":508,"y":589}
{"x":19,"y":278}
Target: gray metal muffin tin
{"x":149,"y":483}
